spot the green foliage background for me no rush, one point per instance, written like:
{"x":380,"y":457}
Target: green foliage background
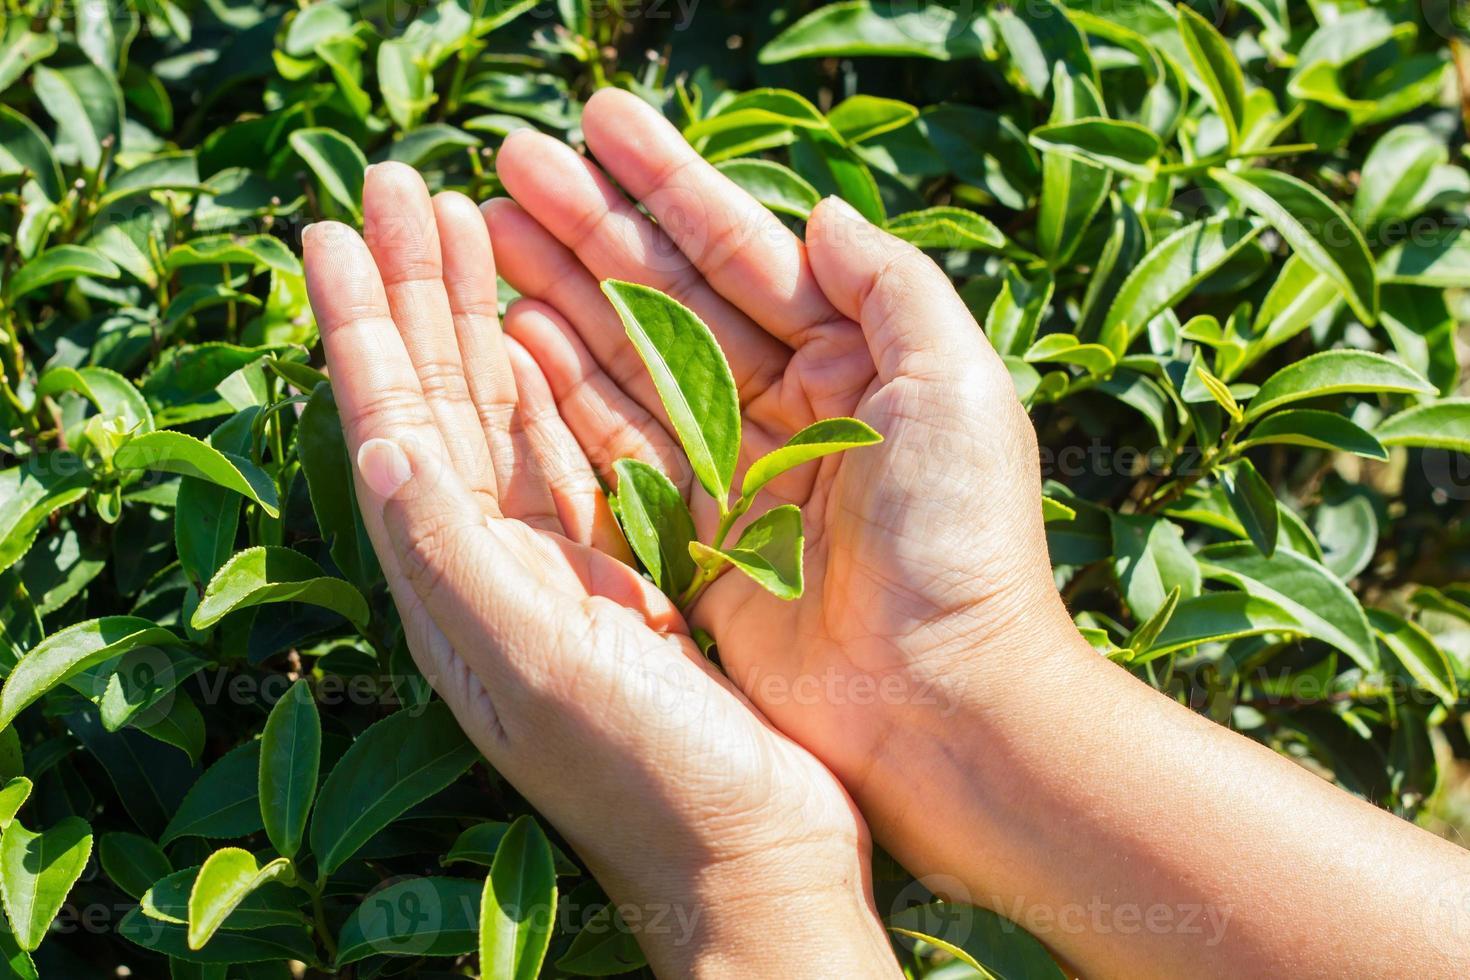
{"x":1222,"y":254}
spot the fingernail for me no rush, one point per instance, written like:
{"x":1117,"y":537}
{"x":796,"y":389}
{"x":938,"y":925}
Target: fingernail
{"x":849,"y":212}
{"x":383,"y":466}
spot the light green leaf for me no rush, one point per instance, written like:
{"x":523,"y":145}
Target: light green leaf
{"x":175,"y":452}
{"x":769,"y":551}
{"x":37,"y":871}
{"x":1308,"y":591}
{"x":1171,"y":270}
{"x":947,"y":227}
{"x":518,"y":906}
{"x":1396,"y":168}
{"x":1064,"y":348}
{"x":1438,"y":257}
{"x":87,"y":106}
{"x":112,"y":394}
{"x":13,"y":796}
{"x":1151,"y":561}
{"x":226,"y":878}
{"x":290,"y":758}
{"x":1072,"y":190}
{"x":1219,"y":616}
{"x":408,"y":89}
{"x":862,"y":117}
{"x":31,"y":493}
{"x":657,"y":523}
{"x":267,"y":574}
{"x":1314,"y":227}
{"x":1219,"y":70}
{"x":816,"y":440}
{"x":691,"y":376}
{"x":247,"y":250}
{"x":402,"y":760}
{"x":69,"y":651}
{"x":1417,"y":653}
{"x":1444,"y":424}
{"x":428,"y":916}
{"x":223,"y":803}
{"x":864,"y":28}
{"x":132,"y":861}
{"x":1320,"y":430}
{"x":167,"y":171}
{"x":337,"y":163}
{"x":1013,"y":318}
{"x":1335,"y":372}
{"x":20,"y":47}
{"x":270,"y":904}
{"x":59,"y":264}
{"x":1125,"y":147}
{"x":777,"y":187}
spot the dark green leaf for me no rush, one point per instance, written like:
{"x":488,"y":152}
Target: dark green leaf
{"x":401,"y":760}
{"x":290,"y":757}
{"x":429,"y":916}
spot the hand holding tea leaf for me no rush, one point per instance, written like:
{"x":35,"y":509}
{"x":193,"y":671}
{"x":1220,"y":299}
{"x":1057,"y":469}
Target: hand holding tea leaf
{"x":573,"y":674}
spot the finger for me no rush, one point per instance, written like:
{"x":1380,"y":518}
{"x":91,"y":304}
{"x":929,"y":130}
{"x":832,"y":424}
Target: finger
{"x":501,"y":621}
{"x":561,"y":466}
{"x":403,"y":235}
{"x":469,"y":279}
{"x":740,"y":247}
{"x":915,"y":323}
{"x":607,"y":423}
{"x":540,"y":267}
{"x":576,"y":202}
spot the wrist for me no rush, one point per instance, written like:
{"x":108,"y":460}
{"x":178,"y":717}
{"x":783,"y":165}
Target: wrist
{"x":765,"y":917}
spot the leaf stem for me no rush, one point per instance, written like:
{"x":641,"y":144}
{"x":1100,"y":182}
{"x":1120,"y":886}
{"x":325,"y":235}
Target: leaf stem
{"x":318,"y":912}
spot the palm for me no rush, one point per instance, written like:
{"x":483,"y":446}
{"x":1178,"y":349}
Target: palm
{"x":891,"y":572}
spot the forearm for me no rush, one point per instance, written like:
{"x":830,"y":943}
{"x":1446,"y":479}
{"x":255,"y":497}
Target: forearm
{"x":1137,"y":838}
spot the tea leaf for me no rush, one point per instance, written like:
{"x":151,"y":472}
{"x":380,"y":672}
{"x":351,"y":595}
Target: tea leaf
{"x":69,"y":651}
{"x":225,"y":879}
{"x":518,"y":905}
{"x":657,"y":523}
{"x":691,"y":376}
{"x":37,"y":871}
{"x":399,"y":761}
{"x":261,"y":575}
{"x":813,"y":442}
{"x":290,"y":757}
{"x":429,"y":916}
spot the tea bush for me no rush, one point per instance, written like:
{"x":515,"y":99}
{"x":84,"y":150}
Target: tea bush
{"x":1221,"y":248}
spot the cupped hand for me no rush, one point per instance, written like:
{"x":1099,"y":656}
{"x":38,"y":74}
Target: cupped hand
{"x":573,"y":675}
{"x":919,"y":550}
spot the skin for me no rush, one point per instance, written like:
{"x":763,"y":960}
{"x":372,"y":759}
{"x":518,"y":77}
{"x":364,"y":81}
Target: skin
{"x":930,"y":669}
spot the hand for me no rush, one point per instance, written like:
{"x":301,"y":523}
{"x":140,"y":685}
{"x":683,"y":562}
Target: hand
{"x":573,"y":675}
{"x":930,"y":662}
{"x":919,"y":550}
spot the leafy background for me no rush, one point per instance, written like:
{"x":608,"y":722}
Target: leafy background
{"x":1222,"y":253}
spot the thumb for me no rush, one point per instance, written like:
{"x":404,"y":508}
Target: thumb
{"x":914,"y":321}
{"x":479,"y":587}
